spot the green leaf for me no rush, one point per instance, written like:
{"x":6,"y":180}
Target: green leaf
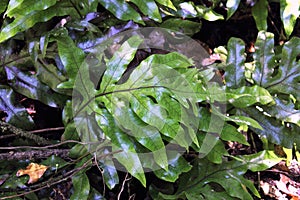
{"x":50,"y":75}
{"x":273,"y":129}
{"x":284,"y":111}
{"x":148,"y":8}
{"x":88,"y":130}
{"x":239,"y":120}
{"x":71,"y":56}
{"x":289,"y":12}
{"x":186,"y":26}
{"x":208,"y":13}
{"x":26,"y":7}
{"x":24,"y":22}
{"x":264,"y":57}
{"x":167,"y":3}
{"x":16,"y":113}
{"x":145,"y":134}
{"x":232,"y":6}
{"x":230,"y":133}
{"x":110,"y":174}
{"x":128,"y":156}
{"x":240,"y":97}
{"x":287,"y":79}
{"x":81,"y":187}
{"x":234,"y":74}
{"x":260,"y":14}
{"x":177,"y":165}
{"x":13,"y":4}
{"x":3,"y":5}
{"x":132,"y":163}
{"x":31,"y":87}
{"x":122,"y":10}
{"x":78,"y":151}
{"x":216,"y":155}
{"x":229,"y":175}
{"x":261,"y":161}
{"x":211,"y":15}
{"x":117,"y":65}
{"x":247,"y":96}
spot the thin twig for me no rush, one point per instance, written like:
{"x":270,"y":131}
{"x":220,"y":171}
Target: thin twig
{"x":102,"y":172}
{"x":35,"y":131}
{"x":123,"y":185}
{"x":47,"y":147}
{"x":47,"y":130}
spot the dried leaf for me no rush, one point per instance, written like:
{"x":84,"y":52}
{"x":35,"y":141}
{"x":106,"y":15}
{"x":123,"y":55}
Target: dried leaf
{"x":35,"y":171}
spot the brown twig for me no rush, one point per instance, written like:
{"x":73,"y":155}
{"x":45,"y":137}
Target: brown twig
{"x":36,"y":154}
{"x":47,"y":147}
{"x":123,"y":185}
{"x":8,"y":128}
{"x":47,"y":130}
{"x":35,"y":131}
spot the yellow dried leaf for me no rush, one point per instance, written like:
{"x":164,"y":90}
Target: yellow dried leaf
{"x":34,"y":171}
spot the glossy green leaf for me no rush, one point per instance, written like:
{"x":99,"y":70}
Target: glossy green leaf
{"x":28,"y":6}
{"x":239,"y":120}
{"x":261,"y":161}
{"x":229,"y":175}
{"x":287,"y":79}
{"x":177,"y":166}
{"x":81,"y":187}
{"x":145,"y":134}
{"x":273,"y":129}
{"x":148,"y":8}
{"x":30,"y":86}
{"x":232,"y":6}
{"x":240,"y":97}
{"x":234,"y":74}
{"x":284,"y":111}
{"x":16,"y":113}
{"x":25,"y":22}
{"x":117,"y":65}
{"x":127,"y":156}
{"x":122,"y":10}
{"x":217,"y":153}
{"x":88,"y":130}
{"x":208,"y":13}
{"x":230,"y":133}
{"x":247,"y":96}
{"x":289,"y":12}
{"x":50,"y":75}
{"x":131,"y":162}
{"x":260,"y":14}
{"x":109,"y":172}
{"x":167,"y":3}
{"x":264,"y":58}
{"x":211,"y":15}
{"x":13,"y":4}
{"x":71,"y":56}
{"x":186,"y":26}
